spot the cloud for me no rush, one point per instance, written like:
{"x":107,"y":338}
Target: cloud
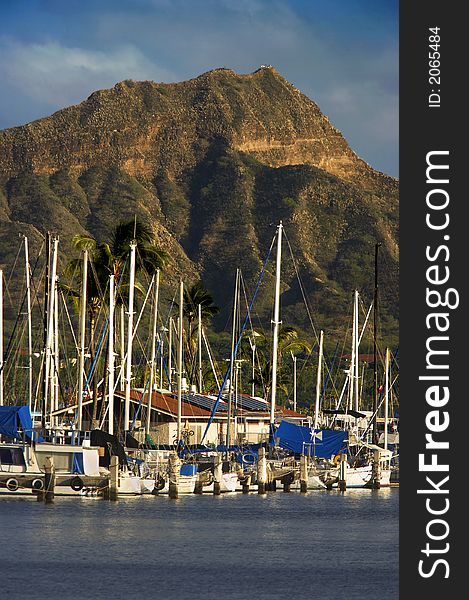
{"x":54,"y":75}
{"x":343,"y":55}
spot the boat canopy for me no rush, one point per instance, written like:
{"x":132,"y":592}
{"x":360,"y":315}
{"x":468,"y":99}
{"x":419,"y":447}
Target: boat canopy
{"x":111,"y":446}
{"x":16,"y":418}
{"x":322,"y":443}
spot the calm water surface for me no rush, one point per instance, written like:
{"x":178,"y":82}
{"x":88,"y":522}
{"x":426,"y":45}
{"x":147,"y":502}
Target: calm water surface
{"x":322,"y":545}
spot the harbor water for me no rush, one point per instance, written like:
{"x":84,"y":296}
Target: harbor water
{"x":323,"y":545}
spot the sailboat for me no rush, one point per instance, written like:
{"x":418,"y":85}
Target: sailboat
{"x":370,"y":466}
{"x":368,"y":463}
{"x":23,"y":459}
{"x":177,"y":476}
{"x":76,"y":460}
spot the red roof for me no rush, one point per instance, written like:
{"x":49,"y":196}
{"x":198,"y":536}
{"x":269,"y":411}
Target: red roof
{"x":168,"y":403}
{"x":286,"y":412}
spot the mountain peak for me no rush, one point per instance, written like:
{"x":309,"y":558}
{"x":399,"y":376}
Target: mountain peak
{"x":142,"y":126}
{"x":212,"y":164}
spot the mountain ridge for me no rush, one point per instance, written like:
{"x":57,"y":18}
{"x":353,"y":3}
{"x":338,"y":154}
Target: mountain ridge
{"x":213,"y":163}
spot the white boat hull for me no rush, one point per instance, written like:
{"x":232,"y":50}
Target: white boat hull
{"x":313,"y":483}
{"x":228,"y":483}
{"x":186,"y":485}
{"x":360,"y":477}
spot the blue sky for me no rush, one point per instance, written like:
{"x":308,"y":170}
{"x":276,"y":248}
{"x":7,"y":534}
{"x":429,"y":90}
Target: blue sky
{"x":341,"y":53}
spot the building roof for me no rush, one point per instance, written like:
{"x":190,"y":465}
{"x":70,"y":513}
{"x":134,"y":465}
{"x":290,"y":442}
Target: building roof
{"x":167,"y":403}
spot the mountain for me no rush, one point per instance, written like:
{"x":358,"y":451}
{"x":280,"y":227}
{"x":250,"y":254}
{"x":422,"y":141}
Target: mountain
{"x":213,"y":163}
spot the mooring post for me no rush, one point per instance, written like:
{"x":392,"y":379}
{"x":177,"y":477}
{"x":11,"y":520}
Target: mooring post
{"x":198,"y":488}
{"x":246,"y":482}
{"x":217,"y":474}
{"x":261,"y":471}
{"x":376,"y":471}
{"x":114,"y":478}
{"x":174,"y":466}
{"x":343,"y":473}
{"x":303,"y":473}
{"x":49,"y":480}
{"x":41,"y":493}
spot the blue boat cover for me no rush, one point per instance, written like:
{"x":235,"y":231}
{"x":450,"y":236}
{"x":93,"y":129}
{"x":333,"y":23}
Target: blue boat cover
{"x":77,"y":466}
{"x":323,"y":443}
{"x":188,"y":469}
{"x":13,"y":417}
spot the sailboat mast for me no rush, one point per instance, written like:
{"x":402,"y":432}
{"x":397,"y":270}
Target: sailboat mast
{"x":375,"y":353}
{"x":56,"y":357}
{"x":128,"y":376}
{"x":199,"y":339}
{"x":179,"y":374}
{"x":122,"y":347}
{"x":210,"y":358}
{"x":153,"y":348}
{"x":386,"y":400}
{"x":111,"y":357}
{"x":44,"y":324}
{"x":30,"y":328}
{"x":276,"y":323}
{"x":294,"y":381}
{"x":318,"y":380}
{"x":81,"y":360}
{"x":1,"y":337}
{"x":351,"y":389}
{"x":232,"y":365}
{"x":50,"y":323}
{"x":170,"y":354}
{"x":357,"y":341}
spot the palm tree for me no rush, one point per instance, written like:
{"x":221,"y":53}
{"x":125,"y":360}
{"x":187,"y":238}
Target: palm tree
{"x":194,"y":297}
{"x":148,"y":256}
{"x":288,"y":343}
{"x":109,"y":258}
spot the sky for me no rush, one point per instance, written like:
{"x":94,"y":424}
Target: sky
{"x":343,"y":54}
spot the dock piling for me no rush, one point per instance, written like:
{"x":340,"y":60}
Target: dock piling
{"x":303,"y":474}
{"x":174,"y":468}
{"x":376,"y":471}
{"x":114,"y":478}
{"x":49,"y":480}
{"x":198,"y":488}
{"x":343,"y":473}
{"x":217,"y":475}
{"x":261,"y":471}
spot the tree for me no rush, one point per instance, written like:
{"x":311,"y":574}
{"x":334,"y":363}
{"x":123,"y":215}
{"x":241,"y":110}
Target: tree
{"x":288,"y":343}
{"x":110,"y":258}
{"x":194,"y":297}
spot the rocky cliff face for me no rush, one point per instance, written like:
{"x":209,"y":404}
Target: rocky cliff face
{"x":213,"y":164}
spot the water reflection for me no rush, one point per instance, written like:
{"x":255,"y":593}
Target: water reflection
{"x":232,"y":547}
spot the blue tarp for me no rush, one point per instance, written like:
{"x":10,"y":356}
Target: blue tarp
{"x":188,"y":469}
{"x":78,"y":463}
{"x":323,"y":443}
{"x":14,"y":417}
